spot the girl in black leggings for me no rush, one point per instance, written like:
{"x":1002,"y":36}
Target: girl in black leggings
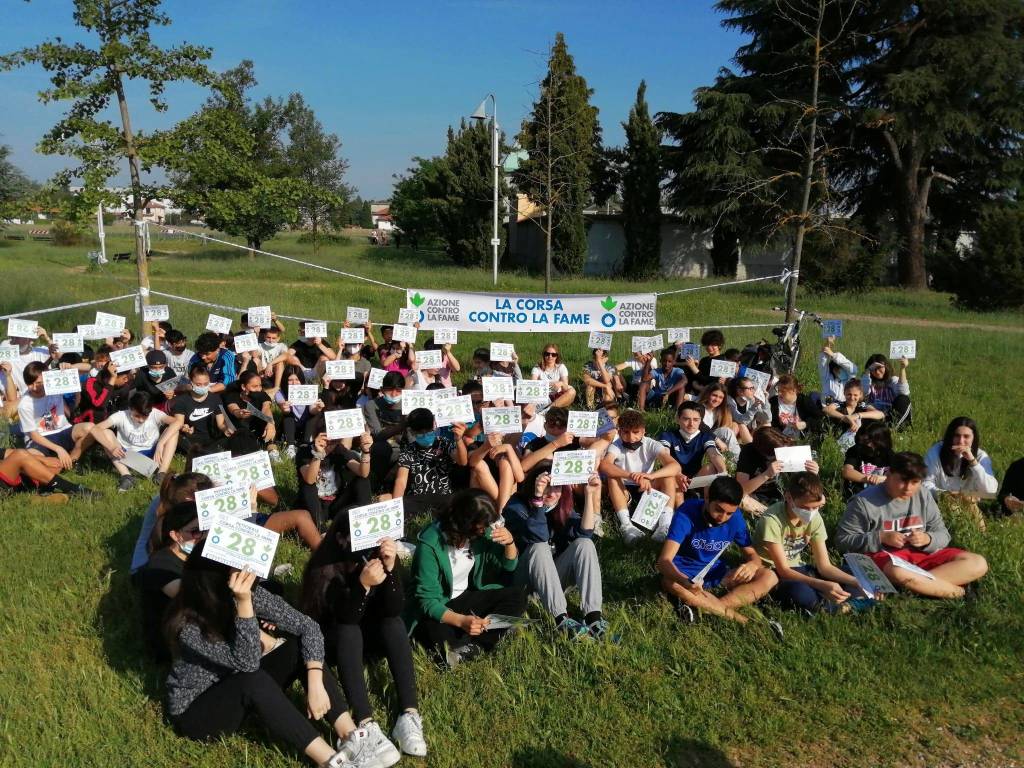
{"x":357,"y":598}
{"x":225,"y":666}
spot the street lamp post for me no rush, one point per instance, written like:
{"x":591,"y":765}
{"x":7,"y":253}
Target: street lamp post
{"x":481,"y":114}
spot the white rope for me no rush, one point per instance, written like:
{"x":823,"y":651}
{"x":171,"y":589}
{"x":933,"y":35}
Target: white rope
{"x":50,"y":310}
{"x":782,"y":278}
{"x":238,"y":309}
{"x":202,"y":236}
{"x":703,"y":327}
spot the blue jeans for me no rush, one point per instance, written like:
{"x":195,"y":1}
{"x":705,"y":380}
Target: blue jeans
{"x":793,"y":595}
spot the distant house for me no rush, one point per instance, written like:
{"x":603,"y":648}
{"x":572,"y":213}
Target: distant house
{"x":380,"y":215}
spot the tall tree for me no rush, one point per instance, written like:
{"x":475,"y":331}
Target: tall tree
{"x":94,"y":77}
{"x":14,"y":185}
{"x":559,"y":137}
{"x":641,"y":192}
{"x":313,"y":157}
{"x":417,"y":200}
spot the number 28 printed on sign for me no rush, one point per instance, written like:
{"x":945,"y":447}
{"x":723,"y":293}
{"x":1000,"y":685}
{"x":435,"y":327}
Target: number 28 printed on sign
{"x":370,"y":524}
{"x":569,"y":467}
{"x":240,"y":544}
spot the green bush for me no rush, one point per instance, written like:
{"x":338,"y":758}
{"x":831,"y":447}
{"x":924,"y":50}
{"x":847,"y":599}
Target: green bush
{"x":325,"y":238}
{"x":67,"y":233}
{"x":990,"y":275}
{"x":839,"y":261}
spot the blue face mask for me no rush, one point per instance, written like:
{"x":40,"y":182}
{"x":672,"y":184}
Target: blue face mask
{"x":426,"y":440}
{"x":186,"y":547}
{"x":200,"y":390}
{"x":391,"y":400}
{"x":549,"y":437}
{"x":156,"y":373}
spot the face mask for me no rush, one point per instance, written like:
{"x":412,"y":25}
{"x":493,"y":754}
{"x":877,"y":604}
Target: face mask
{"x":186,"y":547}
{"x":352,"y":349}
{"x":549,"y":437}
{"x":155,"y":373}
{"x":391,"y":400}
{"x":427,"y":440}
{"x":631,"y":446}
{"x":268,"y":345}
{"x":201,"y":391}
{"x":805,"y":515}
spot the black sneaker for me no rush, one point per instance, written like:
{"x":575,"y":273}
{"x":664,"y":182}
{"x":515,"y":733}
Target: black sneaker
{"x":776,"y":628}
{"x":125,"y":484}
{"x":158,"y":478}
{"x":685,"y":613}
{"x":74,"y":489}
{"x":462,"y":653}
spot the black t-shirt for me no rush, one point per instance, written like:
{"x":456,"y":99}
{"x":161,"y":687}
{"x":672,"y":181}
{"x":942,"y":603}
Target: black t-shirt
{"x":308,"y":354}
{"x":163,"y":568}
{"x":430,"y":469}
{"x":200,"y":415}
{"x":540,"y":442}
{"x":254,"y":424}
{"x":333,"y":474}
{"x":752,"y":463}
{"x":869,"y":462}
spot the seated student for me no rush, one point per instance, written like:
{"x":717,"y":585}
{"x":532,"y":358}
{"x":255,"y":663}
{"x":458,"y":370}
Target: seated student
{"x":481,"y":362}
{"x":664,"y":386}
{"x":384,"y":420}
{"x":494,"y":466}
{"x":157,"y":337}
{"x":700,"y":530}
{"x":629,"y":470}
{"x":44,"y":421}
{"x":123,"y":340}
{"x":360,"y":355}
{"x":835,"y":371}
{"x":790,"y":530}
{"x":219,"y":362}
{"x":271,"y":359}
{"x":698,"y":374}
{"x":1011,"y":494}
{"x":867,"y":461}
{"x":27,"y":353}
{"x":758,"y":471}
{"x":293,"y":417}
{"x":225,"y":666}
{"x":246,"y":392}
{"x":718,"y":418}
{"x":457,"y":558}
{"x":138,"y":428}
{"x":851,"y":412}
{"x":8,"y":392}
{"x":957,"y":464}
{"x":22,"y":470}
{"x":552,"y":370}
{"x":602,"y":380}
{"x":398,"y":357}
{"x":105,"y":392}
{"x":200,"y":415}
{"x":175,"y":489}
{"x":900,"y":519}
{"x":507,"y":368}
{"x":160,"y":579}
{"x":886,"y":391}
{"x":747,"y":409}
{"x":177,"y":352}
{"x":308,"y":352}
{"x":793,"y":413}
{"x":556,"y":437}
{"x":154,"y":373}
{"x":689,"y":444}
{"x":333,"y":474}
{"x":357,"y":599}
{"x":425,"y":465}
{"x":557,"y":549}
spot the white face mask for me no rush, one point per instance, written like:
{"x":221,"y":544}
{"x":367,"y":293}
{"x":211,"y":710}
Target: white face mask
{"x":805,"y":515}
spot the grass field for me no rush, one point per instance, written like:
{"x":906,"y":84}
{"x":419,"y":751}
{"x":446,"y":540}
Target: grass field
{"x":911,"y":683}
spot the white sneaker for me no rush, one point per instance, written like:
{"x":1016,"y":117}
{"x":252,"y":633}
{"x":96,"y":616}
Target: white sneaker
{"x":338,"y":760}
{"x":290,"y":451}
{"x":275,"y":456}
{"x":359,"y":748}
{"x":661,"y":532}
{"x":599,"y":527}
{"x":387,"y":754}
{"x":408,"y":734}
{"x":630,"y":534}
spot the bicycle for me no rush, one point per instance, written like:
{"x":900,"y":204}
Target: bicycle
{"x":784,"y":355}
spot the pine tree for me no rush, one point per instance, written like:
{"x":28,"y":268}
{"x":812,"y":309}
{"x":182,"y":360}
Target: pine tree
{"x":559,"y":137}
{"x":641,"y":192}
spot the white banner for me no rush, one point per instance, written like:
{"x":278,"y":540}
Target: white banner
{"x":523,"y":313}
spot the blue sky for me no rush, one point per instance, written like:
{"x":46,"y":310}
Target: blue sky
{"x":389,"y":78}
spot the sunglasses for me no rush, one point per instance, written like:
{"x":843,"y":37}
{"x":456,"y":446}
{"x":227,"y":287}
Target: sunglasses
{"x":550,"y":354}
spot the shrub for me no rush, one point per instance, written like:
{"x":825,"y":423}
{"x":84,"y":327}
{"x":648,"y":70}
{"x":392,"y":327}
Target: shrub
{"x":66,"y":233}
{"x":325,"y":238}
{"x":990,"y":275}
{"x":839,"y":261}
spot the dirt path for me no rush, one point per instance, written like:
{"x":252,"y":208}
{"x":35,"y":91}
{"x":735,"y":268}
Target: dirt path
{"x":915,"y":322}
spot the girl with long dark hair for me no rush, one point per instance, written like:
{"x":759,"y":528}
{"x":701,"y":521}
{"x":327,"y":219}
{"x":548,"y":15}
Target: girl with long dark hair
{"x":957,"y":464}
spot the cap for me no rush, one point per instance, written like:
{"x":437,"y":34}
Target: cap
{"x":156,"y":357}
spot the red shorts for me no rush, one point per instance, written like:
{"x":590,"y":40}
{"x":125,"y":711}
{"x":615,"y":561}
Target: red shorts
{"x":920,"y":559}
{"x":10,"y":482}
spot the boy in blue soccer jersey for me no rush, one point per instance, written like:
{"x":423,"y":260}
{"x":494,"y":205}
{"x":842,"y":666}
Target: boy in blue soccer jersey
{"x":690,"y":564}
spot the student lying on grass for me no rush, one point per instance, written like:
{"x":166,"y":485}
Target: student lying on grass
{"x":899,"y":522}
{"x":786,"y":533}
{"x":701,"y":530}
{"x":22,"y":470}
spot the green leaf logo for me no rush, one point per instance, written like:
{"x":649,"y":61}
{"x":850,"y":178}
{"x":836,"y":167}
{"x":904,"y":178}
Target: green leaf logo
{"x":609,"y":304}
{"x":417,"y":299}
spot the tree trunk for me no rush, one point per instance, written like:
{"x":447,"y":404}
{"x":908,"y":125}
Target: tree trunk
{"x":316,"y":242}
{"x":912,"y":273}
{"x":254,"y":243}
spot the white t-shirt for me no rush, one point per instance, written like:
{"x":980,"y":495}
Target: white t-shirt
{"x":271,"y":354}
{"x":560,"y":372}
{"x":179,"y":363}
{"x":640,"y":460}
{"x":461,"y":560}
{"x":137,"y":437}
{"x":37,"y":355}
{"x":44,"y":415}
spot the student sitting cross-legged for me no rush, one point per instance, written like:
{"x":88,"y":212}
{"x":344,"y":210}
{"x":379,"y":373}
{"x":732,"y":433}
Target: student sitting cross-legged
{"x":899,"y":522}
{"x":140,"y":428}
{"x":701,"y":529}
{"x":790,"y":530}
{"x":556,"y":545}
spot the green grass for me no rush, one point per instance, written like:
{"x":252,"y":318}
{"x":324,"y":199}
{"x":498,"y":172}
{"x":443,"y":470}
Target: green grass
{"x":911,"y":683}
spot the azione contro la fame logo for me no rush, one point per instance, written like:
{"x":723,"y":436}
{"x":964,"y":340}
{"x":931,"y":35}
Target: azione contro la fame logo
{"x":608,"y":319}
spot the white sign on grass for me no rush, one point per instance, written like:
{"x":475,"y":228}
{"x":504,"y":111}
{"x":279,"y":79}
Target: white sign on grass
{"x":357,"y":315}
{"x":429,"y":360}
{"x":570,"y":467}
{"x":315,"y":329}
{"x":503,"y":421}
{"x":454,"y":410}
{"x":20,"y":328}
{"x":112,"y":324}
{"x":583,"y":423}
{"x":446,"y":336}
{"x":794,"y":457}
{"x":259,"y":317}
{"x":352,"y":335}
{"x":369,"y":525}
{"x":869,"y":576}
{"x":417,"y":398}
{"x":213,"y":465}
{"x":239,"y":544}
{"x":69,"y":342}
{"x":649,"y":509}
{"x":129,"y":358}
{"x":502,"y":352}
{"x":345,"y":423}
{"x":599,"y":340}
{"x":218,"y":324}
{"x":408,"y":316}
{"x":906,"y":348}
{"x":251,"y":469}
{"x":340,"y":369}
{"x":152,"y":313}
{"x":405,"y":333}
{"x":498,"y":388}
{"x":529,"y":391}
{"x":303,"y":394}
{"x":232,"y":500}
{"x":246,"y":342}
{"x":65,"y":382}
{"x":724,"y":368}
